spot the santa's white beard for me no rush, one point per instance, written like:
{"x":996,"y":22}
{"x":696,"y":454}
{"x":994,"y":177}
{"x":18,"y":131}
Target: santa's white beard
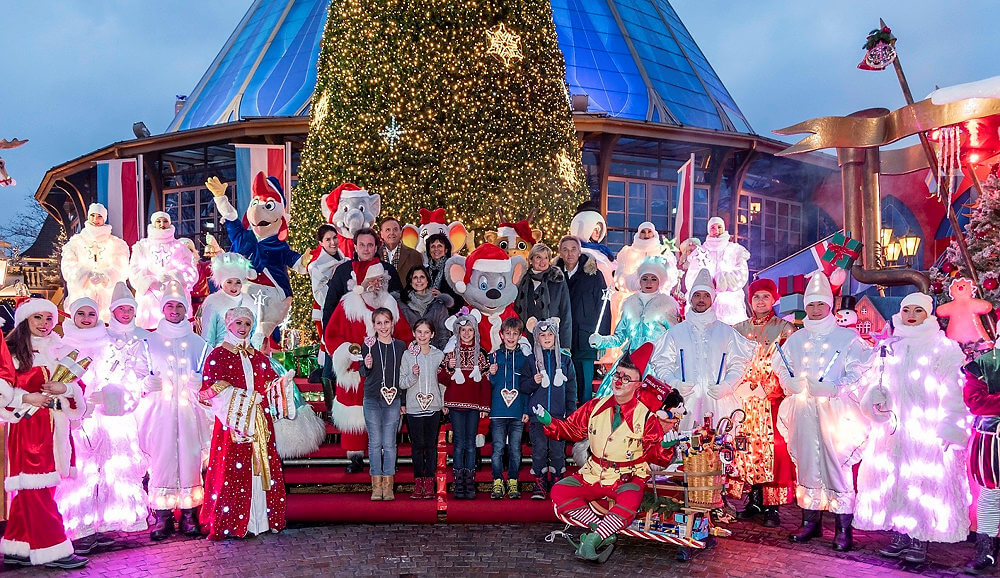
{"x":374,"y":299}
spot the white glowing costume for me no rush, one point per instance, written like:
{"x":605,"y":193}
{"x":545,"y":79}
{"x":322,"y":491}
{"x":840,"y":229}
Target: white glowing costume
{"x":907,"y":481}
{"x":106,"y":495}
{"x":820,"y":419}
{"x":92,"y":262}
{"x":156,"y":260}
{"x":174,"y":428}
{"x":727,"y":263}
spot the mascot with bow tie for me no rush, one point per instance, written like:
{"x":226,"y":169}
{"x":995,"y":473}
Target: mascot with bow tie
{"x":261,"y":237}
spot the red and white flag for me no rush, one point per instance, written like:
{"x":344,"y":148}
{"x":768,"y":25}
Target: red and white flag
{"x":118,"y":190}
{"x":252,"y":159}
{"x":684,"y":218}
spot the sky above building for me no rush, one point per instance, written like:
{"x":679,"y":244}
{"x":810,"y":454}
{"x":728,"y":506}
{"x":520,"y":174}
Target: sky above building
{"x":77,"y":75}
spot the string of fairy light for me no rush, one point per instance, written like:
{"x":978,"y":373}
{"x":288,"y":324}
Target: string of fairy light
{"x":437,"y":103}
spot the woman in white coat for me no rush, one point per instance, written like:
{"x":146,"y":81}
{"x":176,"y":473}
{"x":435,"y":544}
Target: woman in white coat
{"x":106,"y":494}
{"x":912,"y":479}
{"x":157,"y":260}
{"x":94,"y":260}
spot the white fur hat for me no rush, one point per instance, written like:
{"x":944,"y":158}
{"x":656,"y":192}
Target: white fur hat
{"x":922,"y":300}
{"x":650,"y":265}
{"x":716,"y":220}
{"x":35,"y":305}
{"x":238,"y":313}
{"x":99,"y":209}
{"x":159,"y":214}
{"x":818,"y":289}
{"x":82,"y":302}
{"x":122,"y":296}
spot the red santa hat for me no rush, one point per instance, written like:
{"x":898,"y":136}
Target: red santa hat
{"x":35,"y":305}
{"x":763,"y":284}
{"x":364,"y":270}
{"x":521,"y":229}
{"x":265,"y":189}
{"x":331,"y":201}
{"x":486,"y":257}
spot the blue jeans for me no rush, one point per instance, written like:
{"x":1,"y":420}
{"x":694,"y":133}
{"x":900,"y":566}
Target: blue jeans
{"x":506,"y":434}
{"x":464,"y":423}
{"x":382,"y":422}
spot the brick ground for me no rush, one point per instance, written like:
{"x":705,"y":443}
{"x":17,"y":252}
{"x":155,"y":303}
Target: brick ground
{"x":504,"y":550}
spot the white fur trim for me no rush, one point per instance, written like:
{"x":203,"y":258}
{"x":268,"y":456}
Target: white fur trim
{"x":31,"y":481}
{"x":460,"y":286}
{"x":506,"y":232}
{"x":492,"y":265}
{"x":51,"y":554}
{"x":341,"y":360}
{"x":350,"y":419}
{"x":61,"y":446}
{"x":14,"y":548}
{"x":301,"y":436}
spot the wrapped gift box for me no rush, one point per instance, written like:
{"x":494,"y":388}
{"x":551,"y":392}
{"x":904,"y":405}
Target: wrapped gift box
{"x":791,"y":304}
{"x":842,"y":251}
{"x":791,"y":284}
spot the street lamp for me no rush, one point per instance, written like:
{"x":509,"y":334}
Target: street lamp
{"x":885,"y":236}
{"x":892,"y":251}
{"x":908,"y":245}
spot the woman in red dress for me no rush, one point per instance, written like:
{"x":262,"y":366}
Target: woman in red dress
{"x":39,"y":448}
{"x":244,"y":485}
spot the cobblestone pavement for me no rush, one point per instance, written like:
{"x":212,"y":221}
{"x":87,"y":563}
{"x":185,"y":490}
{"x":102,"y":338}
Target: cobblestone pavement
{"x":502,"y":550}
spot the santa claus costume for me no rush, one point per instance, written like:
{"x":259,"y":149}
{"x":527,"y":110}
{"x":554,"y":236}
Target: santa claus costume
{"x":157,"y":260}
{"x":106,"y":495}
{"x":820,"y":418}
{"x":347,"y":329}
{"x":765,"y":467}
{"x":94,"y":260}
{"x":39,"y":447}
{"x":703,"y":358}
{"x":726,"y":262}
{"x":244,"y":485}
{"x":226,"y":268}
{"x":912,"y":478}
{"x":174,"y":428}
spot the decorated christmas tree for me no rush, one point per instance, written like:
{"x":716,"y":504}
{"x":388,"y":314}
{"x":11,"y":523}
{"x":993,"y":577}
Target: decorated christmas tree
{"x":982,"y":235}
{"x":435,"y":103}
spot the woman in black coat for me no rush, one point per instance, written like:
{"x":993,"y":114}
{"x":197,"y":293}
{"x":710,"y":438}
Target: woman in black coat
{"x":542,"y":293}
{"x":420,"y":302}
{"x":438,"y":252}
{"x":586,"y":288}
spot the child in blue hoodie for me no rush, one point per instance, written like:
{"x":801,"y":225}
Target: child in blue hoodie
{"x":549,"y":379}
{"x":508,"y":412}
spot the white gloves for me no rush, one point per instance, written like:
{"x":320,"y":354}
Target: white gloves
{"x":154,"y":383}
{"x":822,"y":388}
{"x":594,"y":340}
{"x":112,"y":400}
{"x":226,"y":208}
{"x":796,"y":385}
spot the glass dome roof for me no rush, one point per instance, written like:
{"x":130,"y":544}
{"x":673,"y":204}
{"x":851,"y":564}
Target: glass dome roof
{"x":634,"y":59}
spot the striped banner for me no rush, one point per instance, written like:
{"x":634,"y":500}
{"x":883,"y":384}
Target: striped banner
{"x":252,"y":159}
{"x":684,"y":219}
{"x":118,"y":190}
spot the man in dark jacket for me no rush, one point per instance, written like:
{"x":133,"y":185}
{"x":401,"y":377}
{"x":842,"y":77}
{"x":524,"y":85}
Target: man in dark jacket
{"x":365,"y":249}
{"x":586,"y":288}
{"x":542,"y":293}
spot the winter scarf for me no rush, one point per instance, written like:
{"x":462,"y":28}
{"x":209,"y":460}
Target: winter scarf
{"x":436,"y":268}
{"x":820,"y":326}
{"x":531,"y":298}
{"x":419,"y":303}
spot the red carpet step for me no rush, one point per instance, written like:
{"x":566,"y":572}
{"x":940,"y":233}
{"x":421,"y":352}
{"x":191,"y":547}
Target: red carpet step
{"x":359,"y":508}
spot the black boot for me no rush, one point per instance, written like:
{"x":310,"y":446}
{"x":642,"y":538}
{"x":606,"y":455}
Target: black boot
{"x":459,"y":490}
{"x":843,"y":540}
{"x":755,"y":503}
{"x":812,"y":526}
{"x":986,"y":555}
{"x":357,"y":464}
{"x":164,"y":526}
{"x":189,"y":523}
{"x":470,"y":484}
{"x":771,"y":518}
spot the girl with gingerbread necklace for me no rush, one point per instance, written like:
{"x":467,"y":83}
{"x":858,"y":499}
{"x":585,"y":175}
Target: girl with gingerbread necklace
{"x":424,"y":402}
{"x":381,"y":357}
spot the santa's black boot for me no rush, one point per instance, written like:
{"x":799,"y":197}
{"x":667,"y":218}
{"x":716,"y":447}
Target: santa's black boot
{"x":164,"y":526}
{"x":357,"y":464}
{"x":755,"y":503}
{"x":986,"y":555}
{"x":843,"y":540}
{"x":189,"y":523}
{"x":812,"y":526}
